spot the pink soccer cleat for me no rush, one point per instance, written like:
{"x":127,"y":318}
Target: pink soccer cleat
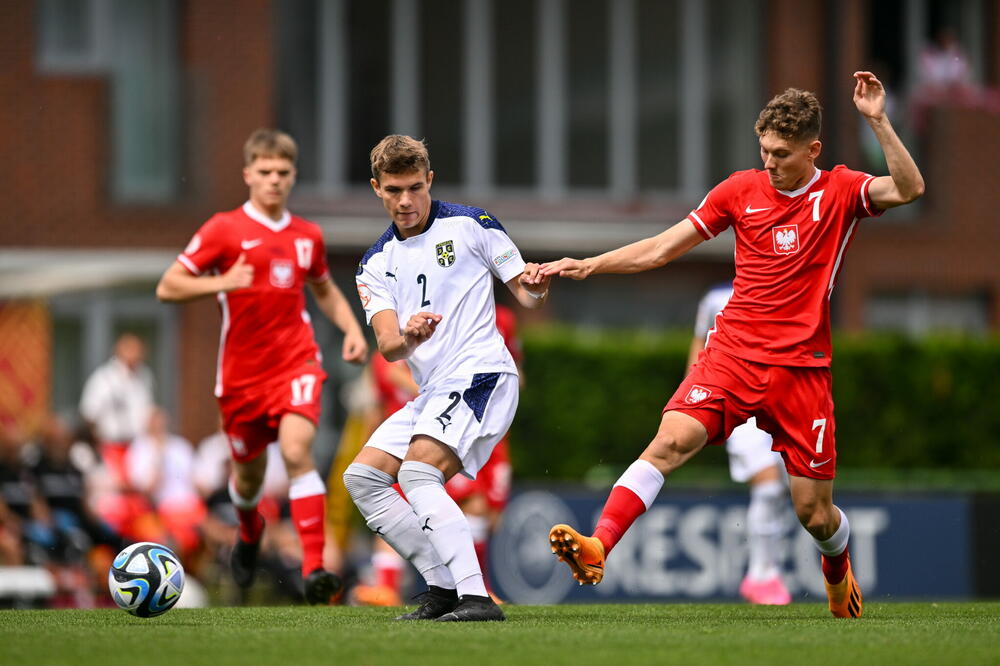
{"x":769,"y":592}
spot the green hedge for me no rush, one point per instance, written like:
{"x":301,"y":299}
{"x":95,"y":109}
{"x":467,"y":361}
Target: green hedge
{"x":595,"y":398}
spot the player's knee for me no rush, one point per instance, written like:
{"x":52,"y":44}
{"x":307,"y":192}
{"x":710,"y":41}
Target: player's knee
{"x":816,"y":517}
{"x":413,"y":474}
{"x":362,"y":480}
{"x":667,"y":451}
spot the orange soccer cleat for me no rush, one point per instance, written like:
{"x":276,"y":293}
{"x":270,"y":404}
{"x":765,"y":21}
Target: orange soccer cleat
{"x":375,"y":595}
{"x":584,"y":555}
{"x":845,"y":596}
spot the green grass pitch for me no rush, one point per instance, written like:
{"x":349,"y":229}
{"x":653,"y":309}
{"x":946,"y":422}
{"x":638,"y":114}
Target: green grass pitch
{"x":611,"y":635}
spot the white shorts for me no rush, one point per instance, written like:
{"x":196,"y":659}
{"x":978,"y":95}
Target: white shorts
{"x":749,"y":450}
{"x":469,"y":414}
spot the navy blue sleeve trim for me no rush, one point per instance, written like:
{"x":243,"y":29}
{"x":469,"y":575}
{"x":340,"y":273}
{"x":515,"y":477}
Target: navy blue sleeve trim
{"x":376,"y":248}
{"x":485,"y":220}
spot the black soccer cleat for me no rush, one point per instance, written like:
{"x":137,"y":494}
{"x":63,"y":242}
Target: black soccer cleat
{"x":473,"y":608}
{"x":321,"y":586}
{"x":434,"y":603}
{"x":243,"y":562}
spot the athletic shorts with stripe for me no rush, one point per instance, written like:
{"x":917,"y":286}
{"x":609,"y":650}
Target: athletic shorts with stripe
{"x":793,"y":404}
{"x":468,"y":414}
{"x":250,"y":418}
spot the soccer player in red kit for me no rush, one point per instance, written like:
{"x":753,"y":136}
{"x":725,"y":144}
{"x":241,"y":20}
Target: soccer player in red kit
{"x":769,"y":353}
{"x":256,"y":260}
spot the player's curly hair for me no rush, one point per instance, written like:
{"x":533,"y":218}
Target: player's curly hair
{"x":398,"y":153}
{"x":794,"y":115}
{"x":265,"y":142}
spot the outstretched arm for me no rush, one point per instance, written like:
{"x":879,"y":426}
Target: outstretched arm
{"x":331,"y":301}
{"x":640,"y":256}
{"x":904,"y":182}
{"x":530,"y":287}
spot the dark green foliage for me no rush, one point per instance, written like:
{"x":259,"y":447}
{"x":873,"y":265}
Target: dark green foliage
{"x":595,"y":399}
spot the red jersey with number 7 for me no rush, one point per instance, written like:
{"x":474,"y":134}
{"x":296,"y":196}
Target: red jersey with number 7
{"x":790,"y":248}
{"x":266,"y":330}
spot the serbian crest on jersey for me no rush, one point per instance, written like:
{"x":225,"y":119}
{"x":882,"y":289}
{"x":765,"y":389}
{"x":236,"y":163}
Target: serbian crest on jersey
{"x":697,"y":394}
{"x":445,"y":253}
{"x":786,"y":239}
{"x":282,"y":273}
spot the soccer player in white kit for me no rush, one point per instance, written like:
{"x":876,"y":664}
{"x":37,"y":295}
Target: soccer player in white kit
{"x":427,"y":289}
{"x":752,"y":461}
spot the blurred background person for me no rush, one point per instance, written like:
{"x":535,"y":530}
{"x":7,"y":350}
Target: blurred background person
{"x":117,"y":400}
{"x":752,"y":461}
{"x":28,"y":515}
{"x":161,"y":465}
{"x":85,"y":545}
{"x":116,"y":403}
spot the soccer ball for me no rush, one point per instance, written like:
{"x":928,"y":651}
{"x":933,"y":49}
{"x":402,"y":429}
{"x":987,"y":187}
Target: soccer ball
{"x":146,"y":579}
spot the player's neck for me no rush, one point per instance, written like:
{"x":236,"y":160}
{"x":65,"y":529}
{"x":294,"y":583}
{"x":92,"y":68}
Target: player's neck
{"x":410,"y":232}
{"x":274,"y":212}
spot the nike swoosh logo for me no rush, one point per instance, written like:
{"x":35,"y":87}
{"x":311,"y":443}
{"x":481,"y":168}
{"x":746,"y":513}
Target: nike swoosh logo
{"x":308,"y":522}
{"x":755,"y":210}
{"x":814,"y":464}
{"x":250,"y":244}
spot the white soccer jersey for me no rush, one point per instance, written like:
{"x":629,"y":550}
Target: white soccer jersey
{"x":447,"y":270}
{"x":711,"y":304}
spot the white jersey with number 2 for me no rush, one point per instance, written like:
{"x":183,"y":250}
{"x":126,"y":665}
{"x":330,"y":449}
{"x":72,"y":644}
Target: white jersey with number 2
{"x":448,"y":269}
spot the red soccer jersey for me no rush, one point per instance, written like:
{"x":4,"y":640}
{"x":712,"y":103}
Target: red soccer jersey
{"x":789,"y":249}
{"x":507,"y":325}
{"x":266,"y":329}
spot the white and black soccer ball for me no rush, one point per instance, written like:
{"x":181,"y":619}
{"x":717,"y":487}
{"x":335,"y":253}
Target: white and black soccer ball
{"x":146,"y":579}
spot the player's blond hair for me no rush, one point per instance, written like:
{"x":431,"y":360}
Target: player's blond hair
{"x":794,"y":115}
{"x":266,"y":142}
{"x":398,"y":153}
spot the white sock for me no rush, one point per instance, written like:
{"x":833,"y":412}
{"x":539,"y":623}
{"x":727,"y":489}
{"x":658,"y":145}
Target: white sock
{"x":765,"y":524}
{"x":643,"y":479}
{"x":245,"y":503}
{"x":836,"y":544}
{"x":388,"y":515}
{"x":444,"y":524}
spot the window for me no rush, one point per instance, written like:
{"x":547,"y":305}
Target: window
{"x":543,"y":98}
{"x":134,"y":43}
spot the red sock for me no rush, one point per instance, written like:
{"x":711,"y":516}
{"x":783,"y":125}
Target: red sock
{"x":308,"y":518}
{"x":835,"y":567}
{"x":388,"y":570}
{"x":251,"y":525}
{"x":620,"y":511}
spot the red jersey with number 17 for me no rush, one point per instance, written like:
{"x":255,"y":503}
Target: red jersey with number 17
{"x":790,"y":247}
{"x":266,"y":329}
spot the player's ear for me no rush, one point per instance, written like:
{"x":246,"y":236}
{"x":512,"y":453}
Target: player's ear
{"x":430,"y":177}
{"x":246,"y":176}
{"x":375,"y":186}
{"x":815,"y":148}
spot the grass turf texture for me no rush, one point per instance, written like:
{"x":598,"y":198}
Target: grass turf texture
{"x":615,"y":635}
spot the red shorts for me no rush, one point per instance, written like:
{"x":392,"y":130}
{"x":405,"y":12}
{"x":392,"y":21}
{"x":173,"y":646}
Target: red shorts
{"x":793,"y":404}
{"x":251,"y":417}
{"x":493,"y":480}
